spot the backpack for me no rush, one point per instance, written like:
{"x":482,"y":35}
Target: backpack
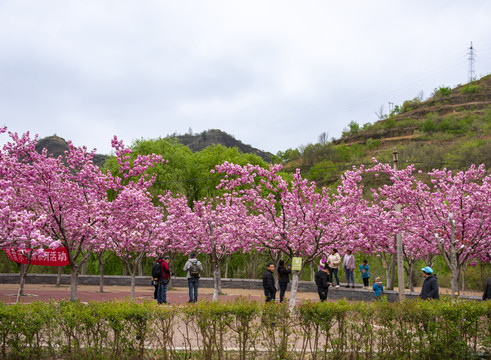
{"x":194,"y":269}
{"x":157,"y":270}
{"x":318,"y":279}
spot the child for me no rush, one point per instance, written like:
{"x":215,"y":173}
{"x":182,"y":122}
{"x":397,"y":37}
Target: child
{"x":378,"y":288}
{"x":365,"y":275}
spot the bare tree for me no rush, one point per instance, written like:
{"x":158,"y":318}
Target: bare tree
{"x":323,"y":138}
{"x":381,"y":113}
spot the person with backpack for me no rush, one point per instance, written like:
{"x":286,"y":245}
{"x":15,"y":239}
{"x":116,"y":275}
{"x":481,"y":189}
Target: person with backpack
{"x":161,"y":274}
{"x":322,"y":282}
{"x":194,"y":268}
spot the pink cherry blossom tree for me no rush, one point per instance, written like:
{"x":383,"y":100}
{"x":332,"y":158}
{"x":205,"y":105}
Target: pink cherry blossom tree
{"x":66,"y":193}
{"x":69,"y":194}
{"x":453,"y":215}
{"x":216,"y":227}
{"x":131,"y":228}
{"x":296,"y":219}
{"x":20,"y":229}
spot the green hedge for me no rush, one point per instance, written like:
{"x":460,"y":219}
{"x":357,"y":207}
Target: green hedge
{"x":246,"y":329}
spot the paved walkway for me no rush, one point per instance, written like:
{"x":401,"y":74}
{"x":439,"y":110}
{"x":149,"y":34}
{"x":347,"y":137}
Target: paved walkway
{"x":176,"y":295}
{"x":8,"y":293}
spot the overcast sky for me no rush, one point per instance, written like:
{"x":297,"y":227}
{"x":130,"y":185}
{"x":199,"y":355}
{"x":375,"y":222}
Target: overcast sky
{"x":274,"y":74}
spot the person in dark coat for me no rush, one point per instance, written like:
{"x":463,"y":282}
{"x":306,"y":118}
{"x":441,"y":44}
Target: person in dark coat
{"x":322,"y":282}
{"x":487,"y":291}
{"x":429,"y":290}
{"x":283,"y":278}
{"x":268,"y":283}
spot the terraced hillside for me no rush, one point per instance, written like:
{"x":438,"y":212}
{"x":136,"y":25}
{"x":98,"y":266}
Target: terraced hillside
{"x":451,"y":129}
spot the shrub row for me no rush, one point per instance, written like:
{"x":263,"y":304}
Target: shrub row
{"x":246,"y":329}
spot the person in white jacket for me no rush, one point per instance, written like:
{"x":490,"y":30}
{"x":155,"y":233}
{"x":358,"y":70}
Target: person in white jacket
{"x":333,"y":262}
{"x":349,"y":266}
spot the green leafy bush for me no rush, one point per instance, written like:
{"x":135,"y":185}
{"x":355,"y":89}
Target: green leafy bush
{"x":245,"y":329}
{"x":470,"y":89}
{"x":442,"y":91}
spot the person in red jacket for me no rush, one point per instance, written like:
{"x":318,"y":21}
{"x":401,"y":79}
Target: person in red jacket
{"x":164,"y":280}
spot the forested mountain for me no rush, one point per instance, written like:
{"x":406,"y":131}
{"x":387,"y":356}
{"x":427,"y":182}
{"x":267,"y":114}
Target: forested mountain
{"x":197,"y":142}
{"x":57,"y":146}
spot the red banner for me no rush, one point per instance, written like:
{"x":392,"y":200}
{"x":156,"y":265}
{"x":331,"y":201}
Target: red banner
{"x":49,"y":257}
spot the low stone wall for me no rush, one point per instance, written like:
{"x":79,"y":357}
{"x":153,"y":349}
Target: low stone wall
{"x":358,"y":293}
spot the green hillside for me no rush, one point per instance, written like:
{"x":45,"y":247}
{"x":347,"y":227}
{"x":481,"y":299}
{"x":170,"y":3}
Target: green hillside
{"x":451,"y":129}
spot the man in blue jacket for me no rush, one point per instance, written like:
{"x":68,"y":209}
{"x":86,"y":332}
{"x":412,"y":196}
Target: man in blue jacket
{"x":429,"y":290}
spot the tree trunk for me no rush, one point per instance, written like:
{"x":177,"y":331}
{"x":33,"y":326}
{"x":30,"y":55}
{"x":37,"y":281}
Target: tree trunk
{"x":23,"y":273}
{"x":409,"y":273}
{"x":58,"y":278}
{"x":101,"y":275}
{"x":140,"y":267}
{"x":73,"y":282}
{"x":293,"y":291}
{"x":226,"y":267}
{"x":454,"y":280}
{"x":451,"y":260}
{"x":217,"y":281}
{"x":312,"y":272}
{"x":276,"y":260}
{"x":133,"y":277}
{"x":84,"y":268}
{"x":463,"y":279}
{"x":390,"y":272}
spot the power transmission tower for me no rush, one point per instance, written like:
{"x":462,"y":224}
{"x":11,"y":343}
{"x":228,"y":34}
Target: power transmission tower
{"x":471,"y":63}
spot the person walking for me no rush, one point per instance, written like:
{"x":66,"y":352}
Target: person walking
{"x":429,"y":290}
{"x":194,"y":268}
{"x":283,"y":278}
{"x":163,"y":281}
{"x":378,"y":288}
{"x":322,"y":282}
{"x":487,"y":292}
{"x":365,"y":274}
{"x":333,"y":262}
{"x":268,"y":283}
{"x":349,"y":266}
